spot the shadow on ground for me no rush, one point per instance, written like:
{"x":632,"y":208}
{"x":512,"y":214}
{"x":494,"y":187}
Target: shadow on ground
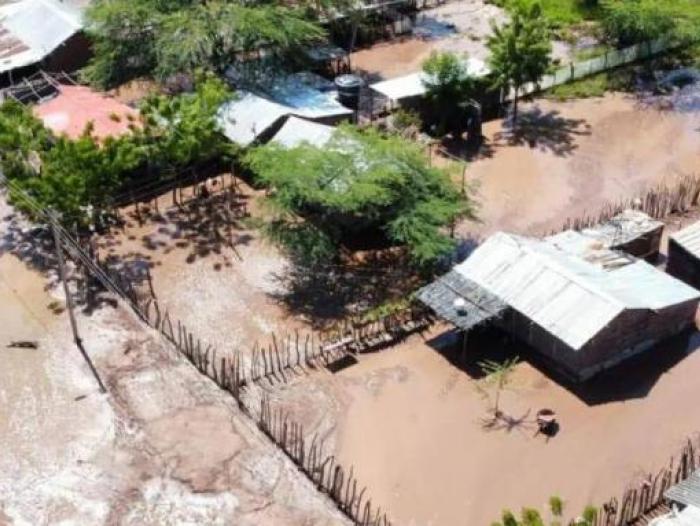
{"x":547,"y":131}
{"x":631,"y":379}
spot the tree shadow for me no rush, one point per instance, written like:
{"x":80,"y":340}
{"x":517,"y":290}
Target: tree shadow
{"x":204,"y":226}
{"x":545,"y":131}
{"x":324,"y":294}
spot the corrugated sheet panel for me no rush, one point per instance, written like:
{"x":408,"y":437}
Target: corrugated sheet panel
{"x":245,"y":118}
{"x":686,"y":492}
{"x":481,"y":307}
{"x":296,"y":131}
{"x":39,"y":25}
{"x":689,"y":238}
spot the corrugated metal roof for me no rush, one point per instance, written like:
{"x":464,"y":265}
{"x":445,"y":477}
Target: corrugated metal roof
{"x":689,"y":238}
{"x":31,"y":29}
{"x":686,"y":492}
{"x":412,"y":85}
{"x":690,"y":516}
{"x":571,"y":294}
{"x":296,"y":131}
{"x":243,"y":119}
{"x":440,"y":295}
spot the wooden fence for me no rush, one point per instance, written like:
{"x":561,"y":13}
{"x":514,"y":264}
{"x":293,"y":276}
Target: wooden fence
{"x":659,"y":202}
{"x":638,"y":504}
{"x":323,"y":470}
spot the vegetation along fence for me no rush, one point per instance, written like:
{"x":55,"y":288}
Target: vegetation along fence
{"x":611,"y":59}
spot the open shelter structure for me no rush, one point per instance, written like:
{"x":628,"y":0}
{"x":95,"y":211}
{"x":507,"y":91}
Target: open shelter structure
{"x":583,"y":306}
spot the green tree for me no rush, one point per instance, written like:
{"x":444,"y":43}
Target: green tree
{"x":520,"y":51}
{"x":361,"y":181}
{"x":631,"y":21}
{"x":448,"y":85}
{"x":182,"y":131}
{"x":498,"y":377}
{"x":168,"y":37}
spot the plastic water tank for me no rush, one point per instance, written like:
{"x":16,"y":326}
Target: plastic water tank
{"x":349,"y":90}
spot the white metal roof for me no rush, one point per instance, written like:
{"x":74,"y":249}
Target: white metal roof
{"x":305,"y":100}
{"x":690,"y":516}
{"x":243,"y":119}
{"x":31,"y":29}
{"x":571,"y":293}
{"x":296,"y":131}
{"x":412,"y":85}
{"x":689,"y":238}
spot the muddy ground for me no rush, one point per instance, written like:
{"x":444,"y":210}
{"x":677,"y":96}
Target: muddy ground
{"x":165,"y":442}
{"x":163,"y":446}
{"x":461,"y":27}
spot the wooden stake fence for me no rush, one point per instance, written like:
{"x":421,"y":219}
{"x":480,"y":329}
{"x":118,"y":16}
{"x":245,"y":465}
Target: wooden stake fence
{"x":323,"y":470}
{"x":638,"y":504}
{"x":659,"y":202}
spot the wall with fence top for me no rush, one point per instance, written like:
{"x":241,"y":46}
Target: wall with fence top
{"x":611,"y":59}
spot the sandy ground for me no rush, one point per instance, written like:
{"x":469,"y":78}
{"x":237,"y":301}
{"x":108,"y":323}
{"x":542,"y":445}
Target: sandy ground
{"x":164,"y":446}
{"x":462,"y":27}
{"x":569,"y":158}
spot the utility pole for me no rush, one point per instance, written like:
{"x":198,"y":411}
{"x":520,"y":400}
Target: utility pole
{"x":69,"y":302}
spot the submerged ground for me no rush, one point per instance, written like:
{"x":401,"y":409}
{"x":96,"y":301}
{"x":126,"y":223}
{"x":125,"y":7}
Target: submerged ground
{"x":164,"y":443}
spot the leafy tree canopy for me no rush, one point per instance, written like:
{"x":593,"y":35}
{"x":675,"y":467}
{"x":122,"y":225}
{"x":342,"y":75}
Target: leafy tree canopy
{"x":631,"y":21}
{"x":448,"y":84}
{"x":168,"y":37}
{"x":520,"y":50}
{"x":71,"y":176}
{"x":361,"y":181}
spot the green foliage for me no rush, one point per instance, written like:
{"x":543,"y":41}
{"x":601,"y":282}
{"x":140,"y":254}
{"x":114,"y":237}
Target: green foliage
{"x":628,"y":22}
{"x":182,"y":131}
{"x":404,"y":121}
{"x":74,"y":176}
{"x":556,"y":505}
{"x":361,"y":181}
{"x":447,"y":84}
{"x":498,"y":376}
{"x":532,"y":517}
{"x":168,"y":37}
{"x":520,"y":50}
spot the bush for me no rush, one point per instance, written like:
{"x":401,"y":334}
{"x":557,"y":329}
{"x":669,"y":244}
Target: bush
{"x":632,"y":21}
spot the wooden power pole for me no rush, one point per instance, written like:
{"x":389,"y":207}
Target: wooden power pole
{"x":69,"y":303}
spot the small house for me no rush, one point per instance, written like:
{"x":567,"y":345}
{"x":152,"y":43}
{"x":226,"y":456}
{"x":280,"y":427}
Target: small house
{"x":684,"y":254}
{"x":40,"y":33}
{"x":584,"y":307}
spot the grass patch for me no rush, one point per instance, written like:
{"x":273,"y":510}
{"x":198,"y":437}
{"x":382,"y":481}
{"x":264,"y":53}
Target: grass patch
{"x":595,"y":85}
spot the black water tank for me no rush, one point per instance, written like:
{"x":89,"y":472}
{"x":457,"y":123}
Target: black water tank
{"x":348,"y":90}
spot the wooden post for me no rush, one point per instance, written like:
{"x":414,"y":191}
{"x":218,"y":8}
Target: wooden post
{"x":69,"y":303}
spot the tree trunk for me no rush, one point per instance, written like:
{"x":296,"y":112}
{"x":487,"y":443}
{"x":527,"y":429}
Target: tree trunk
{"x":515,"y":105}
{"x":353,"y":35}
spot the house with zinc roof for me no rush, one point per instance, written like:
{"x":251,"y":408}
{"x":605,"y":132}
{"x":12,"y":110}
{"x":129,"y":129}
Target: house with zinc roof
{"x":583,"y":306}
{"x":47,"y":33}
